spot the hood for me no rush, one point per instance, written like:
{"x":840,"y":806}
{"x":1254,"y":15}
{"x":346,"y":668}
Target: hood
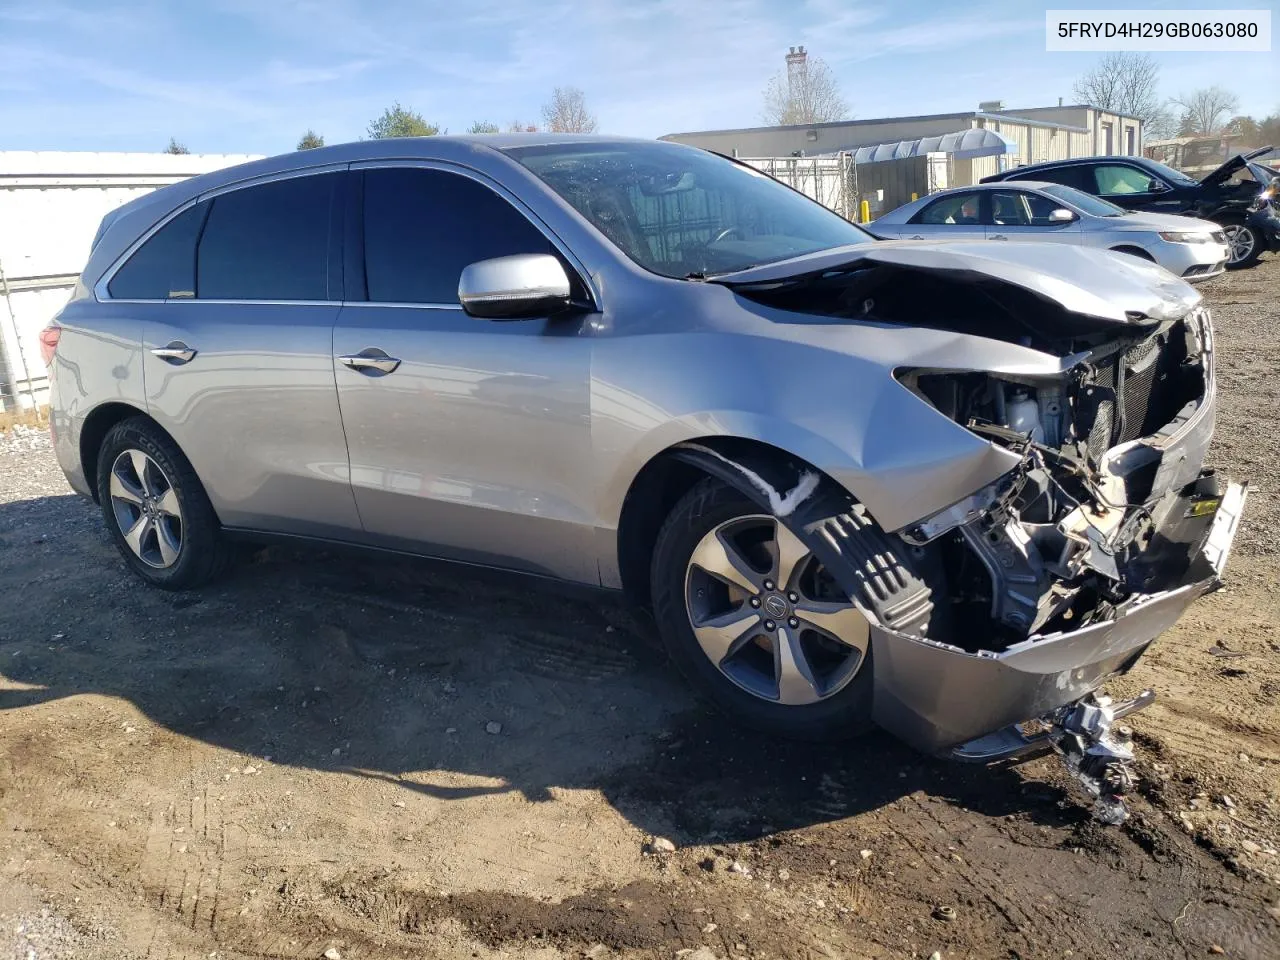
{"x":1142,"y":220}
{"x":1241,"y":160}
{"x":1086,"y":283}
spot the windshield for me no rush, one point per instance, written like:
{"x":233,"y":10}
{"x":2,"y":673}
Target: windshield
{"x":1094,"y":206}
{"x":683,"y":212}
{"x":1177,"y":176}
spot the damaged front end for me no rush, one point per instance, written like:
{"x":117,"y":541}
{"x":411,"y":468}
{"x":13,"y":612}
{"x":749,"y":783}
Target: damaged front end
{"x":1008,"y":609}
{"x":1063,"y":571}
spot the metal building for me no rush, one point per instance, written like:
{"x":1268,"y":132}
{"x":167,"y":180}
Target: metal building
{"x":50,"y":207}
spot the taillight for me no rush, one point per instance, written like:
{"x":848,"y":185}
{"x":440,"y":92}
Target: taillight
{"x":49,"y":337}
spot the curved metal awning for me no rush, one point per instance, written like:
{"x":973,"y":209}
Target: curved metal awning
{"x":974,"y":142}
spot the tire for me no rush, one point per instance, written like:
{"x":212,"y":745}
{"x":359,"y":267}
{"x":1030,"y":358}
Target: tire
{"x":156,"y":509}
{"x":1237,"y":231}
{"x":739,"y":684}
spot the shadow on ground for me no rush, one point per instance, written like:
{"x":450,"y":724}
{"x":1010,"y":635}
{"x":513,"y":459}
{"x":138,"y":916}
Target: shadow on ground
{"x":391,"y":669}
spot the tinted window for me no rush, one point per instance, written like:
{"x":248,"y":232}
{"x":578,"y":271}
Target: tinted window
{"x":421,"y":227}
{"x":957,"y":208}
{"x":164,"y":266}
{"x":1079,"y":177}
{"x":268,"y":242}
{"x":683,"y":212}
{"x":1016,"y":208}
{"x":1117,"y":181}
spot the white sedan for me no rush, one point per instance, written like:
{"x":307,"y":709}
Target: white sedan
{"x":1049,"y":212}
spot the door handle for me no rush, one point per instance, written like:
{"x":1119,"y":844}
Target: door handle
{"x":175,"y":352}
{"x":371,"y":360}
{"x":997,"y":236}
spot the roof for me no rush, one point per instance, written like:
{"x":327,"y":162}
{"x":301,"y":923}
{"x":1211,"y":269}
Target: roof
{"x":970,"y":142}
{"x":1007,"y":117}
{"x":1082,"y":106}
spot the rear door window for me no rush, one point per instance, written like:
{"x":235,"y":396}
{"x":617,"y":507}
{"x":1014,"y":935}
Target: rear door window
{"x":422,"y":227}
{"x":959,"y":208}
{"x":1080,"y":177}
{"x":164,"y":266}
{"x":269,"y":242}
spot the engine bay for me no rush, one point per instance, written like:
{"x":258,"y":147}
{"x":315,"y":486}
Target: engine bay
{"x":1087,"y":519}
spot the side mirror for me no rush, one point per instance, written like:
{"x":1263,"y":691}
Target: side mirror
{"x":1061,"y":215}
{"x":1157,"y":186}
{"x":514,"y":288}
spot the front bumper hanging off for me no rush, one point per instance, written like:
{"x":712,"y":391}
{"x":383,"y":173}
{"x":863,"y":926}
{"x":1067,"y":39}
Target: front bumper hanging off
{"x":940,"y":698}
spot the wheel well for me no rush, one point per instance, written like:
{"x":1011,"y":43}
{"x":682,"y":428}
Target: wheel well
{"x":94,"y":431}
{"x":655,"y":491}
{"x":1134,"y":252}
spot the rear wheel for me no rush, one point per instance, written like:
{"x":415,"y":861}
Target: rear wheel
{"x":156,"y":509}
{"x":755,"y":622}
{"x":1246,"y":245}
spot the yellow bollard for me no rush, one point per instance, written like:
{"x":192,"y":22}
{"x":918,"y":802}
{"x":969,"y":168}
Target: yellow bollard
{"x":915,"y":196}
{"x":866,"y":211}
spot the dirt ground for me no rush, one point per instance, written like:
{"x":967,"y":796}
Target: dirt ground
{"x":304,"y":759}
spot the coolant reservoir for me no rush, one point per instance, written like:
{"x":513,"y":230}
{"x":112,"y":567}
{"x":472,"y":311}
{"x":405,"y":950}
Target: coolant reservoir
{"x":1023,"y":415}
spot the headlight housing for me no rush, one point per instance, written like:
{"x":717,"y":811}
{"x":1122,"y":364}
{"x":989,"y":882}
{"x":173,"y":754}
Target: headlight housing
{"x":1181,"y":236}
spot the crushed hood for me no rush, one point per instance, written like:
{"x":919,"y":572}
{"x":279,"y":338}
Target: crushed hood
{"x":1097,"y":284}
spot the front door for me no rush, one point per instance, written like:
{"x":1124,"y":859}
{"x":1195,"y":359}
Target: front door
{"x":1134,"y":188}
{"x":1021,"y":215}
{"x":469,"y":439}
{"x":237,"y":365}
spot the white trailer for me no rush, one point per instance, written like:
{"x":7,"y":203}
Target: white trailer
{"x":50,"y":206}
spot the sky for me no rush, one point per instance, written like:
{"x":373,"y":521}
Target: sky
{"x":250,"y":76}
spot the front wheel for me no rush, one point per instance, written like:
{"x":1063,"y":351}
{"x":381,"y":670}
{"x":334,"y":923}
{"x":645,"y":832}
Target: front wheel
{"x":756,"y":623}
{"x":156,"y":510}
{"x":1246,"y":245}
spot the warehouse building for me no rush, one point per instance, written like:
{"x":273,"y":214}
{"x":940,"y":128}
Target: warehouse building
{"x":893,"y":158}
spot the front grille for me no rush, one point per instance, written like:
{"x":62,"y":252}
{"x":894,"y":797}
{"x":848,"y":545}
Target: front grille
{"x":1149,"y":386}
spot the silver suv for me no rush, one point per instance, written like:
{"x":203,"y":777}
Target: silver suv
{"x":947,"y":487}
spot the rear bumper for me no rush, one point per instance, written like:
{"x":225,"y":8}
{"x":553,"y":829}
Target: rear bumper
{"x":936,"y":696}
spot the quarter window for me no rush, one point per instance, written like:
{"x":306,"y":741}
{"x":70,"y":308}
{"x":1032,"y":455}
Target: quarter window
{"x":422,"y":227}
{"x":269,"y":242}
{"x":164,"y":266}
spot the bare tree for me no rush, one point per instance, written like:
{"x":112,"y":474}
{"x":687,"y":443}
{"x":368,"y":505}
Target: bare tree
{"x":482,"y":126}
{"x":1206,"y":110}
{"x":806,"y":93}
{"x":1128,"y":83}
{"x":567,"y":112}
{"x":176,"y":146}
{"x":519,"y":126}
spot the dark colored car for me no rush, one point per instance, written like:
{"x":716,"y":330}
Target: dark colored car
{"x":1240,"y":195}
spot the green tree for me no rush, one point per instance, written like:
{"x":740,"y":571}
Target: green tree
{"x":397,"y":121}
{"x":482,"y":126}
{"x":176,"y":146}
{"x":310,"y":140}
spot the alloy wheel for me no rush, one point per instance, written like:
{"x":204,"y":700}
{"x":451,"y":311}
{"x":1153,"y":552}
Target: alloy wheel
{"x":1242,"y":241}
{"x":146,"y":509}
{"x":767,"y":614}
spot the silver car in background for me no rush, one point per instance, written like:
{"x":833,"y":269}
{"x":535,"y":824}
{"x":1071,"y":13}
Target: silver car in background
{"x":943,"y":487}
{"x":1052,"y":213}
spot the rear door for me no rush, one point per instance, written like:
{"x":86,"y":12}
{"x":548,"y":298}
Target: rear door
{"x":1023,"y":215}
{"x":953,"y":216}
{"x":245,"y":287}
{"x":469,"y":439}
